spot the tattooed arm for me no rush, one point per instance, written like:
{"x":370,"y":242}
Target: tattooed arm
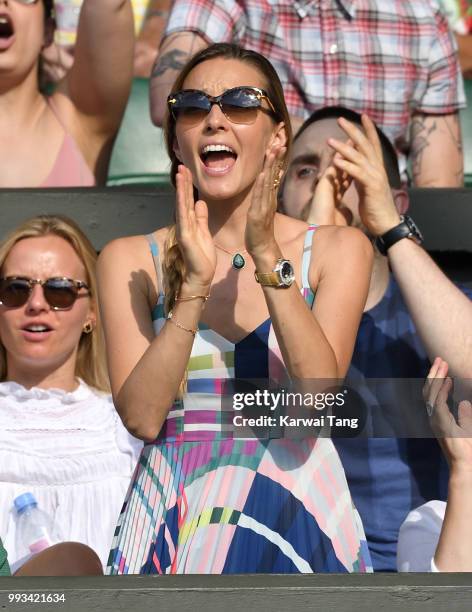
{"x":175,"y":51}
{"x":436,"y":151}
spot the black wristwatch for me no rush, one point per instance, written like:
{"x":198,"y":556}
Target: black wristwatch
{"x":407,"y":228}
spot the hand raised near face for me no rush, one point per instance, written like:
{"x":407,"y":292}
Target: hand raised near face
{"x":454,"y":437}
{"x":362,"y":159}
{"x":327,"y":197}
{"x":259,"y":235}
{"x":193,"y":235}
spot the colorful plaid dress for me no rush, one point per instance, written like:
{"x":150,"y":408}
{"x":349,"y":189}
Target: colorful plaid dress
{"x":203,"y":502}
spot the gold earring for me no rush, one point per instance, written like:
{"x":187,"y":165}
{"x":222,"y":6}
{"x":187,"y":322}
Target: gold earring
{"x":278,"y":175}
{"x":88,"y":328}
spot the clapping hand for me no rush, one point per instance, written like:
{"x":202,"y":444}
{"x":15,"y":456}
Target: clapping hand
{"x":259,"y":235}
{"x":454,"y":437}
{"x":193,"y":235}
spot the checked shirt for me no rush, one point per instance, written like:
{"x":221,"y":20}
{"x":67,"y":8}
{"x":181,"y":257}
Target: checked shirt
{"x":388,"y":58}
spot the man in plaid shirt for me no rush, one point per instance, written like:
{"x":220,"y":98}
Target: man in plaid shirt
{"x":394,"y":60}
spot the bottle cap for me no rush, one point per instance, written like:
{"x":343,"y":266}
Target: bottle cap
{"x":24,"y":501}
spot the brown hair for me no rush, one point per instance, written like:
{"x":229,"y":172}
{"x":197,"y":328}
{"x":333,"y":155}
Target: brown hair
{"x":173,"y":264}
{"x":91,"y":363}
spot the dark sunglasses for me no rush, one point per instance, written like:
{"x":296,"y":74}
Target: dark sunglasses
{"x":239,"y":104}
{"x":60,"y":293}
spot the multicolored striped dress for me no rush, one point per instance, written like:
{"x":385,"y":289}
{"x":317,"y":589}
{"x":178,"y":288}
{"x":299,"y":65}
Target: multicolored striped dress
{"x":203,"y":502}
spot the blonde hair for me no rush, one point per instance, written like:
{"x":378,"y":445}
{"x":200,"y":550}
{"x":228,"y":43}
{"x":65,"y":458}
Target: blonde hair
{"x":91,"y":362}
{"x":173,"y":264}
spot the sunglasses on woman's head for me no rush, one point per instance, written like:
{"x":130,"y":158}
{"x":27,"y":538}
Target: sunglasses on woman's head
{"x":59,"y":293}
{"x":239,"y":104}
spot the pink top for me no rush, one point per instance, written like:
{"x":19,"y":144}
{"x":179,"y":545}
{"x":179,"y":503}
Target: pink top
{"x":70,"y":168}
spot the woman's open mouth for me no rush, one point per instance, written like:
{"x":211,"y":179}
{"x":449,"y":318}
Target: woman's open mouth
{"x":7,"y":32}
{"x":217,"y":159}
{"x":36,"y":331}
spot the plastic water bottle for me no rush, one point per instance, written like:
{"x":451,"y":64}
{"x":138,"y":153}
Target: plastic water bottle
{"x":35,"y":529}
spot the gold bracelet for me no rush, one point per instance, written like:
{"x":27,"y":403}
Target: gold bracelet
{"x":192,"y":297}
{"x":170,"y":317}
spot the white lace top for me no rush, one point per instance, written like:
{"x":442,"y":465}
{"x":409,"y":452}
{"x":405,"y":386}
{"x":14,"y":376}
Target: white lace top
{"x":72,"y":452}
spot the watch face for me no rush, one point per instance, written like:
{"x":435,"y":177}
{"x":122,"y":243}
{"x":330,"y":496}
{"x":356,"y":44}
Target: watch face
{"x":415,"y":232}
{"x":286,"y":273}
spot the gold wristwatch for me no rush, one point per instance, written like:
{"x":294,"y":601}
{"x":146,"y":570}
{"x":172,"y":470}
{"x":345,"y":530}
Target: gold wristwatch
{"x":281,"y":276}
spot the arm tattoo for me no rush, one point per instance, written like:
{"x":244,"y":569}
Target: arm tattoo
{"x":173,"y":60}
{"x":420,"y":134}
{"x":453,"y":128}
{"x":436,"y":131}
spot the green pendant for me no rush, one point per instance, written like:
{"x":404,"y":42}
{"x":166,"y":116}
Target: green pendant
{"x":238,"y":261}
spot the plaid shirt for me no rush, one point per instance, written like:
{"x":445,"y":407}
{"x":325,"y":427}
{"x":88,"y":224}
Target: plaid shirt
{"x":388,"y":58}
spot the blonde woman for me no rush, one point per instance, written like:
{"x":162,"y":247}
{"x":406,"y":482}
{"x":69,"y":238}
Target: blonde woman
{"x":61,"y":438}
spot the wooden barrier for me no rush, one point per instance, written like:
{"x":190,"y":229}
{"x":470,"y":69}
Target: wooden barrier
{"x":443,"y":215}
{"x":251,"y":593}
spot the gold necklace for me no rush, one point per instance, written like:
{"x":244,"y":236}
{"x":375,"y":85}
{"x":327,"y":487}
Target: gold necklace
{"x":238,"y":262}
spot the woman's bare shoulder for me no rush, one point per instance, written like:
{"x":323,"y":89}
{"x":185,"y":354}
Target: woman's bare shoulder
{"x":131,"y":255}
{"x":290,"y":230}
{"x":128,"y":262}
{"x":133,"y":248}
{"x":339,"y":250}
{"x":335,"y":237}
{"x":128,"y":250}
